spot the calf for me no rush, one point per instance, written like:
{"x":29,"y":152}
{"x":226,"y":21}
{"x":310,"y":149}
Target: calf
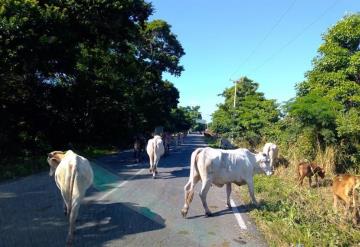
{"x":73,"y":176}
{"x":306,"y":169}
{"x":344,"y":188}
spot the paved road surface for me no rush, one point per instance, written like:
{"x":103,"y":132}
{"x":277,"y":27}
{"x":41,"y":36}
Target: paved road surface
{"x":126,"y":207}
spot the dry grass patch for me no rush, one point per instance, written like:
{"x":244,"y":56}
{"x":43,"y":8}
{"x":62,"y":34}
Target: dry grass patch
{"x":291,"y":215}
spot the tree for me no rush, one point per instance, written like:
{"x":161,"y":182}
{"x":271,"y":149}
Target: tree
{"x":82,"y":72}
{"x":251,"y":116}
{"x":329,"y":98}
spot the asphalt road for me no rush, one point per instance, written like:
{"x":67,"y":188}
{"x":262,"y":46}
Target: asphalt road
{"x":126,"y":207}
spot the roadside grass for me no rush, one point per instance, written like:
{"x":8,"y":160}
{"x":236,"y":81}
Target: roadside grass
{"x":290,"y":215}
{"x":15,"y":167}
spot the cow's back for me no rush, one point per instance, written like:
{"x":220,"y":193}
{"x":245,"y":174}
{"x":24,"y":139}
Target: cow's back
{"x":80,"y":167}
{"x":159,"y":146}
{"x":84,"y":172}
{"x":227,"y":166}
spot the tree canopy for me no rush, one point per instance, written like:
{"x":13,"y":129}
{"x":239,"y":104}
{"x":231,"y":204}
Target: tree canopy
{"x":328,"y":101}
{"x":83,"y":71}
{"x":250,"y":117}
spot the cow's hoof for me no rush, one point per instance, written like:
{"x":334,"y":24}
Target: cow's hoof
{"x":184,"y":212}
{"x":208,"y":214}
{"x":150,"y":170}
{"x":69,"y":242}
{"x":154,"y":176}
{"x":228,"y":205}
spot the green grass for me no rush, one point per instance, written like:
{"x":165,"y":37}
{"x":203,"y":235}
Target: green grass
{"x":94,"y":152}
{"x":291,"y":215}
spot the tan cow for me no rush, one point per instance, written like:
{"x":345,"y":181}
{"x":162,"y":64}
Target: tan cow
{"x":344,"y":188}
{"x":73,"y":176}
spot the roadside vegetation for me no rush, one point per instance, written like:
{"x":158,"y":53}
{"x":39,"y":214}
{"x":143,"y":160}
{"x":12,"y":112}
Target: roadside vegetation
{"x":321,"y":124}
{"x":60,"y":90}
{"x":290,"y":215}
{"x":14,"y":167}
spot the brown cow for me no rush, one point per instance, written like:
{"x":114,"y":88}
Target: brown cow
{"x":344,"y":188}
{"x":306,"y":169}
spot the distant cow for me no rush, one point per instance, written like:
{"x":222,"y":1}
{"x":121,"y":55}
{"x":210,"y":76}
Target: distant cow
{"x":219,"y":167}
{"x":306,"y":169}
{"x":139,"y":147}
{"x":73,"y":176}
{"x":166,"y":141}
{"x":344,"y":188}
{"x":155,"y":149}
{"x":272,"y":151}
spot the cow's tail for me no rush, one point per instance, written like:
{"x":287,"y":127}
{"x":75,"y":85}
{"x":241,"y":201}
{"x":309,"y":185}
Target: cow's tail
{"x":193,"y":165}
{"x":73,"y":171}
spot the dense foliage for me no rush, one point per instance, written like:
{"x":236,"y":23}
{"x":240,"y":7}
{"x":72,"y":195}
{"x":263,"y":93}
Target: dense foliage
{"x":83,"y":72}
{"x":251,"y":116}
{"x":325,"y":114}
{"x":327,"y":105}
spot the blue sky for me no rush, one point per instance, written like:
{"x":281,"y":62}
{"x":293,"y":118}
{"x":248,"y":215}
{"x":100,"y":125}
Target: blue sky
{"x":271,"y":42}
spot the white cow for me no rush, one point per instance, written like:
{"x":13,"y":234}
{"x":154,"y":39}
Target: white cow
{"x":272,"y":151}
{"x":155,"y":149}
{"x":73,"y":176}
{"x":219,"y":167}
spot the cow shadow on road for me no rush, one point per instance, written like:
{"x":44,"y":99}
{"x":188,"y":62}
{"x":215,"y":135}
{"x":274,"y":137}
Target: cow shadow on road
{"x":242,"y":209}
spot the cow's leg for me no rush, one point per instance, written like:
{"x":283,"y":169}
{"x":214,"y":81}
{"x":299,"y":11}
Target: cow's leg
{"x":189,"y":193}
{"x":203,"y":192}
{"x":310,"y":181}
{"x":73,"y":215}
{"x":66,"y":200}
{"x":271,"y":156}
{"x":335,"y":198}
{"x":65,"y":208}
{"x":228,"y":192}
{"x":316,"y":180}
{"x":156,"y":161}
{"x":301,"y":180}
{"x":151,"y":161}
{"x":251,"y":191}
{"x":348,"y":206}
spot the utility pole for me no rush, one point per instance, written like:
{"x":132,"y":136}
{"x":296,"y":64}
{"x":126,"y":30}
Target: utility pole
{"x":235,"y":91}
{"x":234,"y":105}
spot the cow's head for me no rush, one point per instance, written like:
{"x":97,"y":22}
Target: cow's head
{"x":321,"y":172}
{"x":54,"y":158}
{"x":264,"y":162}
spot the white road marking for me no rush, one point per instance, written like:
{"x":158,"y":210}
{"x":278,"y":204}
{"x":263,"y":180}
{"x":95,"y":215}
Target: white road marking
{"x":120,"y":185}
{"x":237,"y":215}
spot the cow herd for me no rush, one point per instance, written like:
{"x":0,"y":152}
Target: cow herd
{"x":73,"y":175}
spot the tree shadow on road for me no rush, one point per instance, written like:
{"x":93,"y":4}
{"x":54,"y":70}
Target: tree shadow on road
{"x":36,"y":218}
{"x":103,"y":222}
{"x":184,"y":172}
